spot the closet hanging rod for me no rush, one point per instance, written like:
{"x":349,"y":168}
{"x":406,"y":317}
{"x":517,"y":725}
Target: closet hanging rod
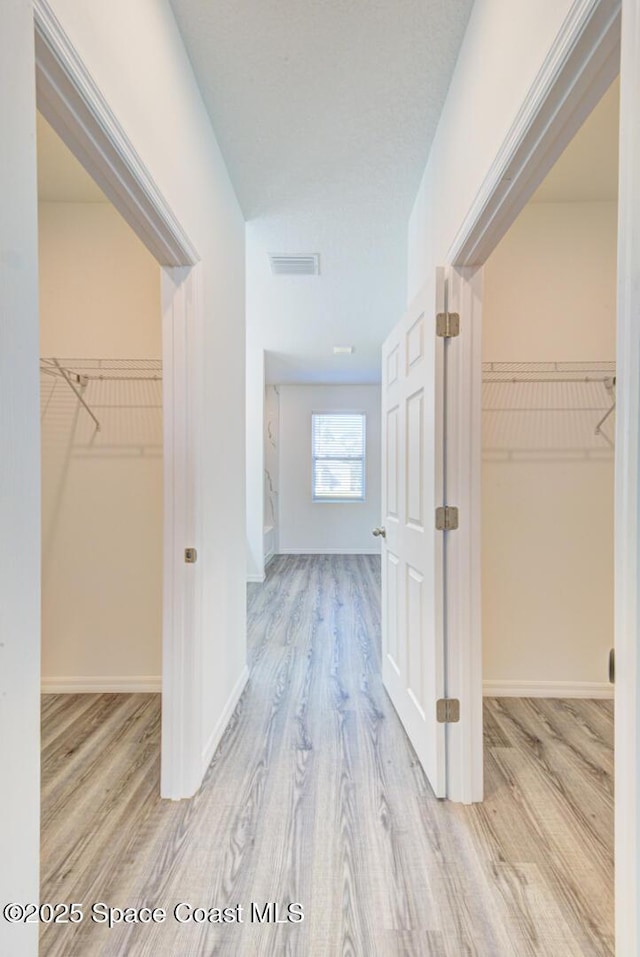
{"x":122,"y":378}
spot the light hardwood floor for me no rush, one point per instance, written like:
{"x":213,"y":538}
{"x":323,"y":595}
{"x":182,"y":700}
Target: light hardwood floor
{"x":315,"y":796}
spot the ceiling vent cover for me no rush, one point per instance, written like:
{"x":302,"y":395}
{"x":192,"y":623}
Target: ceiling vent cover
{"x":295,"y":265}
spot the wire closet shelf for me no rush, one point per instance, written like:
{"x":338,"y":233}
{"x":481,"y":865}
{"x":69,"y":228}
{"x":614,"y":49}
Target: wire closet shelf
{"x":83,"y":376}
{"x":101,"y":369}
{"x":592,"y":374}
{"x":601,"y":371}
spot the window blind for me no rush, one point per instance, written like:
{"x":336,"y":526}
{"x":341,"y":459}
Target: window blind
{"x":338,"y":452}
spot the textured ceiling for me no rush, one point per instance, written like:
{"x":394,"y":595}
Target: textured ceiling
{"x":325,"y":111}
{"x":341,"y":95}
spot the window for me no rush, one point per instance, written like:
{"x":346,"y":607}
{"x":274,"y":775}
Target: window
{"x":337,"y":443}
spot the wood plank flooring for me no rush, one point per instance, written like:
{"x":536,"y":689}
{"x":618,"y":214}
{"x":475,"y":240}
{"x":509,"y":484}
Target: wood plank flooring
{"x":315,"y":796}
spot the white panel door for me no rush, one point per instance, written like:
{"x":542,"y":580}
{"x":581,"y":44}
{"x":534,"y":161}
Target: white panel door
{"x":412,"y":549}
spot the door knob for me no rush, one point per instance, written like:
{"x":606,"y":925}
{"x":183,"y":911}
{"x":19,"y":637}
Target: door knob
{"x":381,"y":530}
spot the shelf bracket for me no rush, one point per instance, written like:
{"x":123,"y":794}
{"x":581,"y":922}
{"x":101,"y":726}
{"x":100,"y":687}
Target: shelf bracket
{"x":65,"y":375}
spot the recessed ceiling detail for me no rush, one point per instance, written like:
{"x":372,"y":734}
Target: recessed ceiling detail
{"x":295,"y":265}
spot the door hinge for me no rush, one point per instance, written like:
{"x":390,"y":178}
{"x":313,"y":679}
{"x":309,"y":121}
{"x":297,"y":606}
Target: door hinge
{"x":448,"y":710}
{"x":446,"y":518}
{"x":448,"y":325}
{"x":190,"y":556}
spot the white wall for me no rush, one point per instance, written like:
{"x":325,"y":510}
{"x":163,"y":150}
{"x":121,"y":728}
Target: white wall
{"x":254,"y":440}
{"x":19,"y":480}
{"x":549,"y":287}
{"x":102,"y":507}
{"x":99,"y":287}
{"x":547,"y":520}
{"x":307,"y":526}
{"x":505,"y":46}
{"x":271,"y":469}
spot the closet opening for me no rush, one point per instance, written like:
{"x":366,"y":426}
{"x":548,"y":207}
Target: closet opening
{"x":548,"y":417}
{"x":102,"y":499}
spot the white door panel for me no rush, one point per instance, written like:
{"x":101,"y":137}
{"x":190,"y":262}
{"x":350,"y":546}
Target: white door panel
{"x":412,"y":469}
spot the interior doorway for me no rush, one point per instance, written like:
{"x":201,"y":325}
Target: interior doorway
{"x":75,"y":108}
{"x":548,"y":399}
{"x":101,"y":431}
{"x":548,"y":436}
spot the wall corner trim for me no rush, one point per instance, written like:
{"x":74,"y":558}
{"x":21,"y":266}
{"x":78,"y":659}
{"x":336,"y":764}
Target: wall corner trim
{"x":73,"y":104}
{"x":221,"y":724}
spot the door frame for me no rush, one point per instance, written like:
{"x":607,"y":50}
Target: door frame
{"x":582,"y":63}
{"x":462,"y":599}
{"x":73,"y":104}
{"x":627,"y":489}
{"x":599,"y":39}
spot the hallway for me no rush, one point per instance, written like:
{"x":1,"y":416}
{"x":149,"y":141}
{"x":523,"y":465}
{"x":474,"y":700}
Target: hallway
{"x":314,"y":797}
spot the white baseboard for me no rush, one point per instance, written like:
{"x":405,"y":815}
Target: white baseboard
{"x":258,"y":579}
{"x":547,"y":689}
{"x":222,"y":722}
{"x":329,"y":551}
{"x":101,"y":684}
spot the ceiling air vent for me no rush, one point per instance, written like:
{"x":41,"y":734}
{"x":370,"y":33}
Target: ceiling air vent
{"x":295,"y":265}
